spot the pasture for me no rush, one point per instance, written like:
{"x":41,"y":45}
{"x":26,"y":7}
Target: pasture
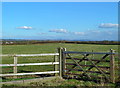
{"x":52,"y":47}
{"x":44,"y":48}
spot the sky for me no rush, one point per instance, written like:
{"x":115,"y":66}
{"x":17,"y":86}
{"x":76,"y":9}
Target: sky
{"x":60,"y":20}
{"x":60,"y":0}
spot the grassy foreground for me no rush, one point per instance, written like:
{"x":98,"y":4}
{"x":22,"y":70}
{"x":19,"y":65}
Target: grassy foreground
{"x":58,"y":82}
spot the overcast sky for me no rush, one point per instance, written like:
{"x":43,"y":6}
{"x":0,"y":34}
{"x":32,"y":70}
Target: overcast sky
{"x":60,"y":20}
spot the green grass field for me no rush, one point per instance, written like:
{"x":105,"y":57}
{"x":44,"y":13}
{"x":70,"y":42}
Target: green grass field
{"x":45,"y":48}
{"x":51,"y":48}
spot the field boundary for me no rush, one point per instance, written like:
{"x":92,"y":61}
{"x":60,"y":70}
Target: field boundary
{"x":15,"y":56}
{"x":60,"y":59}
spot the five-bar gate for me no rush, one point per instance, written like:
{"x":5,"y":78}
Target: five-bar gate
{"x":87,"y":65}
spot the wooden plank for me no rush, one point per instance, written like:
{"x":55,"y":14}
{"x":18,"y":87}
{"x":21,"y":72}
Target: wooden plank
{"x":88,"y":65}
{"x":91,"y":59}
{"x":78,"y":62}
{"x":99,"y":61}
{"x":99,"y":69}
{"x":112,"y":67}
{"x":88,"y":71}
{"x":75,"y":74}
{"x":49,"y":72}
{"x":97,"y":77}
{"x":47,"y":54}
{"x":73,"y":52}
{"x":27,"y":64}
{"x":24,"y":55}
{"x":79,"y":66}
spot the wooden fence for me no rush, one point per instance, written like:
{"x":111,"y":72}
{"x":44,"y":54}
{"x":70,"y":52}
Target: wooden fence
{"x":78,"y":67}
{"x":66,"y":68}
{"x":27,"y":64}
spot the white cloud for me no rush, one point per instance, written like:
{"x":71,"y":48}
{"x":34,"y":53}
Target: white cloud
{"x":24,"y":27}
{"x":42,"y":33}
{"x":58,"y":30}
{"x":79,"y":33}
{"x":108,"y":25}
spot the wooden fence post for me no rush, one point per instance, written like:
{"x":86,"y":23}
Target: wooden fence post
{"x":63,"y":61}
{"x":55,"y":66}
{"x":112,"y":67}
{"x":60,"y":61}
{"x":15,"y":66}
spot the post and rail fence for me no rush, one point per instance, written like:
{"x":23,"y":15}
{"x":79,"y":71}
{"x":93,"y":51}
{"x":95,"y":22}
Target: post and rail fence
{"x":63,"y":56}
{"x":28,"y":64}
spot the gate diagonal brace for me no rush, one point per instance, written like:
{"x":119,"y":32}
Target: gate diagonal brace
{"x":80,"y":67}
{"x":77,"y":62}
{"x":97,"y":68}
{"x":98,"y":61}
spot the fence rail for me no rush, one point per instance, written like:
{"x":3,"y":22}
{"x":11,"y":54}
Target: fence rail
{"x":27,"y":64}
{"x":32,"y":73}
{"x":24,"y":55}
{"x":73,"y":52}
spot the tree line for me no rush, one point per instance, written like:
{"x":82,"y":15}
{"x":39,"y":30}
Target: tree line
{"x":25,"y":42}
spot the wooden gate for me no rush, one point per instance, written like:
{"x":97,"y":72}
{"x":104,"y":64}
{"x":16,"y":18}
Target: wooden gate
{"x":87,"y":65}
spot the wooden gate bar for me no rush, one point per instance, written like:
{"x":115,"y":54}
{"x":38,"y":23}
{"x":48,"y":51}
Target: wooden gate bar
{"x":99,"y":61}
{"x":104,"y":67}
{"x":91,"y":59}
{"x":104,"y":71}
{"x":98,"y":77}
{"x":99,"y":69}
{"x":80,"y":67}
{"x":78,"y":62}
{"x":72,"y":52}
{"x":88,"y":71}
